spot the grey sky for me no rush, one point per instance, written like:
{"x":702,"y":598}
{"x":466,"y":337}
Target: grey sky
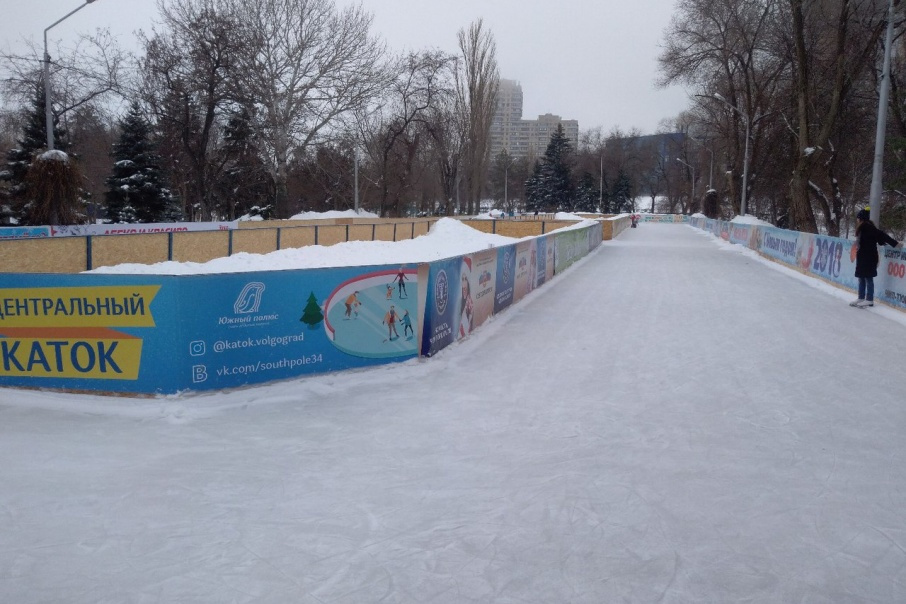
{"x":590,"y":60}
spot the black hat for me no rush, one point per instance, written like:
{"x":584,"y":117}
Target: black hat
{"x":863,"y":215}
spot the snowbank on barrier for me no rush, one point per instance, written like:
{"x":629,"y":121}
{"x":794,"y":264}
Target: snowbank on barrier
{"x":162,"y":329}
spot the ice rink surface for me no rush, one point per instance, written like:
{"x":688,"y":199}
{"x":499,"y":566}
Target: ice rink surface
{"x":670,"y":420}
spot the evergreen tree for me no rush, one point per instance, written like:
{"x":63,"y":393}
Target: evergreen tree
{"x":550,"y":187}
{"x":621,"y":194}
{"x":558,"y":161}
{"x":246,"y":186}
{"x":534,"y":196}
{"x":587,"y":194}
{"x":20,"y":159}
{"x":135,"y":189}
{"x":311,"y":314}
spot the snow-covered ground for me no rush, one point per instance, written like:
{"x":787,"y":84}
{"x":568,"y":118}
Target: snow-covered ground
{"x":671,"y":420}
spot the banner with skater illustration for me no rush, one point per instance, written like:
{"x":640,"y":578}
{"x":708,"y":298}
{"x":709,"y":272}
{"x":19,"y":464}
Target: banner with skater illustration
{"x":164,"y":334}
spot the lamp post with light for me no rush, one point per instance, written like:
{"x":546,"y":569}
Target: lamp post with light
{"x":48,"y":114}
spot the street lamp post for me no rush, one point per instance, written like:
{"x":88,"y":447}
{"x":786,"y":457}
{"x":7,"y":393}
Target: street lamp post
{"x":874,"y":196}
{"x":48,"y":114}
{"x":692,"y":199}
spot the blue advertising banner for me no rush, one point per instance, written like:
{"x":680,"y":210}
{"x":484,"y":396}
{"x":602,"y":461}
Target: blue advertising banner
{"x":164,"y":334}
{"x":541,"y":261}
{"x":780,"y":244}
{"x":89,"y":332}
{"x":739,"y":233}
{"x":244,"y":328}
{"x":25,"y":232}
{"x":160,"y":334}
{"x":831,"y":258}
{"x":442,"y":316}
{"x":891,"y":286}
{"x":506,"y":277}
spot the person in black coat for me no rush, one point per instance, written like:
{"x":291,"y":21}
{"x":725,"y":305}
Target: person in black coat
{"x":868,"y":238}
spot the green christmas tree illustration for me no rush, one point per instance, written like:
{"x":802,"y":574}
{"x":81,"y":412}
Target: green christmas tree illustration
{"x":311,"y":314}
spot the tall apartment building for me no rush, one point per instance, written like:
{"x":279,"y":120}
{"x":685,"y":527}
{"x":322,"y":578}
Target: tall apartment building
{"x":524,"y":138}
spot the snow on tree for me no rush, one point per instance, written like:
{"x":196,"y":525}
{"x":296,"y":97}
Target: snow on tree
{"x":550,"y":187}
{"x":19,"y":160}
{"x":135,"y":189}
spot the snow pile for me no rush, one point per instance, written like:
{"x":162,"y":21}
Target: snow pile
{"x":54,"y":155}
{"x":747,"y":219}
{"x":333,"y":214}
{"x":567,"y":216}
{"x":490,"y":215}
{"x":448,"y":237}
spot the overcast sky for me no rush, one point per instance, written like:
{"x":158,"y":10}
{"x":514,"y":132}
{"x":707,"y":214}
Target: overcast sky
{"x":590,"y":60}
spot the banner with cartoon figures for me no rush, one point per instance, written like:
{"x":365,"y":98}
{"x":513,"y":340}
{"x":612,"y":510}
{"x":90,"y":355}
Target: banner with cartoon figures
{"x":247,"y":328}
{"x":122,"y":333}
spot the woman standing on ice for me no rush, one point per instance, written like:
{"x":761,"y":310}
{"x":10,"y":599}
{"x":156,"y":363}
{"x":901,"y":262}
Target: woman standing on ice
{"x":868,"y":238}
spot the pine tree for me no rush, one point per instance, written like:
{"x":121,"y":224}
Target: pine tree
{"x":534,"y":195}
{"x":587,"y":194}
{"x":311,"y":314}
{"x":558,"y":159}
{"x":20,"y":159}
{"x":550,"y":186}
{"x":246,"y":186}
{"x":135,"y":189}
{"x":621,"y":194}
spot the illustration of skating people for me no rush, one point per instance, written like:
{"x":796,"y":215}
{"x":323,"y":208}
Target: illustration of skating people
{"x":407,"y":324}
{"x":401,"y":278}
{"x":352,"y":305}
{"x":389,"y":292}
{"x":465,"y":301}
{"x":390,"y":320}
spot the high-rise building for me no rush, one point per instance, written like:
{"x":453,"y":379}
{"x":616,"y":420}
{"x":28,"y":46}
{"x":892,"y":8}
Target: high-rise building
{"x":524,"y":138}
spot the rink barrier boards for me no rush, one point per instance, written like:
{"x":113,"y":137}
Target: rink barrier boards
{"x":832,"y":259}
{"x":73,"y":249}
{"x":159,"y":334}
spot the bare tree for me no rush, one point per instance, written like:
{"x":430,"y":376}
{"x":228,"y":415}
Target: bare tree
{"x":729,"y":48}
{"x":833,"y":44}
{"x":477,"y":83}
{"x":86,"y":72}
{"x":188,"y":81}
{"x":304,"y":65}
{"x":416,"y":93}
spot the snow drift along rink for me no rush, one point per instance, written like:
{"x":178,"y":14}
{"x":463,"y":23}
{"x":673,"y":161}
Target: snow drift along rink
{"x":674,"y":421}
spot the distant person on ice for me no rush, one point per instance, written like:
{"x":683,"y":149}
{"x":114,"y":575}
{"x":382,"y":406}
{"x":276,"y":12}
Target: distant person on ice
{"x":868,"y":238}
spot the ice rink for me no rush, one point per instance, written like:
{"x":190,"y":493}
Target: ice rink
{"x":671,"y":420}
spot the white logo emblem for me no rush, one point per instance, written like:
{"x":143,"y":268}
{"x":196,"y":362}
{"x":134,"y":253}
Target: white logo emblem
{"x":249,"y":299}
